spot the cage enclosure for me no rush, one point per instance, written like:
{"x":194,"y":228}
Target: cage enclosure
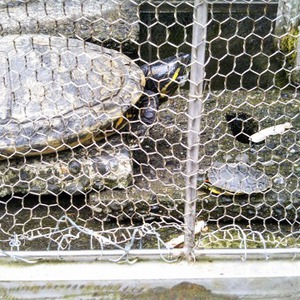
{"x":165,"y":131}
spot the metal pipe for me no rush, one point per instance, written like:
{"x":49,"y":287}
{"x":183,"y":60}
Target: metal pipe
{"x":194,"y":118}
{"x":150,"y":253}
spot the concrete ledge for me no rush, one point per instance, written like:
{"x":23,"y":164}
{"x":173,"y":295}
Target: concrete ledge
{"x":251,"y":279}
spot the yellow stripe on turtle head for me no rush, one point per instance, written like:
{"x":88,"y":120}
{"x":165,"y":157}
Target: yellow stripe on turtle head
{"x":208,"y":186}
{"x":164,"y":90}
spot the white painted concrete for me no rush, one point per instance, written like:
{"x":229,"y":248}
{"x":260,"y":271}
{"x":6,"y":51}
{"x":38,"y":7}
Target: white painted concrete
{"x":251,"y":279}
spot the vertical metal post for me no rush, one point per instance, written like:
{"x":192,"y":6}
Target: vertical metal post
{"x":194,"y":117}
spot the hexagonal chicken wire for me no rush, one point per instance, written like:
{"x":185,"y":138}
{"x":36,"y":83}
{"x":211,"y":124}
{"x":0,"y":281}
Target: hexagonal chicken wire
{"x":74,"y":179}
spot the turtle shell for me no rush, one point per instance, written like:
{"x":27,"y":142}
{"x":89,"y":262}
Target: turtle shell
{"x":238,"y":178}
{"x":57,"y":92}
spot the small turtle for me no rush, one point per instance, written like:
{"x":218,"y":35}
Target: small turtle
{"x":57,"y":93}
{"x":236,"y":179}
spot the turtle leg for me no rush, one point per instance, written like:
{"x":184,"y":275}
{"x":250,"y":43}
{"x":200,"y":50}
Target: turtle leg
{"x":144,"y":114}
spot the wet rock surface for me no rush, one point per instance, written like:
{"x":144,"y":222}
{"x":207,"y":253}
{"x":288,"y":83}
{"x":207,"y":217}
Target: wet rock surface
{"x":74,"y":171}
{"x":159,"y":167}
{"x":276,"y":157}
{"x":99,"y":20}
{"x":156,"y":191}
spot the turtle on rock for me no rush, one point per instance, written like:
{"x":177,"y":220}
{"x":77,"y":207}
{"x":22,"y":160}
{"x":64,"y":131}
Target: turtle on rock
{"x":60,"y":94}
{"x":235,"y":179}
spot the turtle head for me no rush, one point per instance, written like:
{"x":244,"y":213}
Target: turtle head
{"x":165,"y":76}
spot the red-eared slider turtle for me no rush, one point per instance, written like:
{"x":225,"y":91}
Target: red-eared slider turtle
{"x":57,"y":93}
{"x":236,"y":179}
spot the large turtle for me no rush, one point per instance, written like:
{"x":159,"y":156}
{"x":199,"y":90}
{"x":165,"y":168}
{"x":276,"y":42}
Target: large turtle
{"x":236,"y":179}
{"x":57,"y":93}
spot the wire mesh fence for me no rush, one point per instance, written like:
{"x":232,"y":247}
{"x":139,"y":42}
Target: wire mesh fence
{"x":149,"y":127}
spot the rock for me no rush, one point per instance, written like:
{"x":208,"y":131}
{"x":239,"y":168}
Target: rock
{"x":98,"y":20}
{"x":71,"y":171}
{"x":158,"y":193}
{"x":140,"y":205}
